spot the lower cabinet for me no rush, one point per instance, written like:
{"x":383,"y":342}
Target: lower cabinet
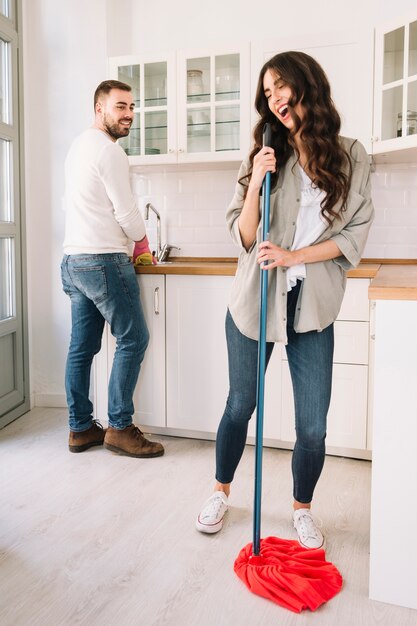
{"x":196,"y":354}
{"x":150,"y":396}
{"x":183,"y":383}
{"x":347,"y":422}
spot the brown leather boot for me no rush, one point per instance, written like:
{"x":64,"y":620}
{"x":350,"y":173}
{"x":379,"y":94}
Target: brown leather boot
{"x":94,"y":436}
{"x":131,"y":442}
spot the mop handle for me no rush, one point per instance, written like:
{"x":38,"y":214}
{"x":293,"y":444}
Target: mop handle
{"x":260,"y":382}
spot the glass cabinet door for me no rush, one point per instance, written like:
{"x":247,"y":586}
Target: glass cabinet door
{"x":399,"y":82}
{"x":212,"y":101}
{"x":149,"y":131}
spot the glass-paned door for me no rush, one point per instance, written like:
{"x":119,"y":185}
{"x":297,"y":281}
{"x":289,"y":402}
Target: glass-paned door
{"x":14,"y":388}
{"x":152,"y":129}
{"x":213,"y":105}
{"x":213,"y":81}
{"x":399,"y":82}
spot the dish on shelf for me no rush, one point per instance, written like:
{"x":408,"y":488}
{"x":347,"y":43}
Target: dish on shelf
{"x":132,"y":151}
{"x":136,"y":151}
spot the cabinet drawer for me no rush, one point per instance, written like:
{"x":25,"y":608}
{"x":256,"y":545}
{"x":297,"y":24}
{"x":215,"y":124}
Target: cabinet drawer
{"x":346,"y":422}
{"x":351,"y":342}
{"x":355,"y":305}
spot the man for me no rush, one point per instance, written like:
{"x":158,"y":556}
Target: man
{"x":101,"y":220}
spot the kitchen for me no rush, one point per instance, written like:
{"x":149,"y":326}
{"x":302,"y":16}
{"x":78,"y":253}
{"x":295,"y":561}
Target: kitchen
{"x":62,"y":67}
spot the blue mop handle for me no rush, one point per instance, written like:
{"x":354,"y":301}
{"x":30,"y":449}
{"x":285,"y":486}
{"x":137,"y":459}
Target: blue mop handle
{"x":260,"y":381}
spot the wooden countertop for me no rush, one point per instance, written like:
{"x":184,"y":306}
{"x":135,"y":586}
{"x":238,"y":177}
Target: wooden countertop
{"x":392,"y":279}
{"x":394,"y":282}
{"x":227,"y":267}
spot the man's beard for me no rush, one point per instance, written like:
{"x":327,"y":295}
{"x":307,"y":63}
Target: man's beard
{"x":114,"y":129}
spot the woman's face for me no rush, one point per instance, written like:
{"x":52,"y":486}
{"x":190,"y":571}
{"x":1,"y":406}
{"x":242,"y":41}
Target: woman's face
{"x":277,"y":92}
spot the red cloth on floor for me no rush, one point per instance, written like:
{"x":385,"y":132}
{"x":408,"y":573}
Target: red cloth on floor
{"x":288,"y":574}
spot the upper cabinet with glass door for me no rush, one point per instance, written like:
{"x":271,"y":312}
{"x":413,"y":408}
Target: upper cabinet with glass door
{"x":395,"y":121}
{"x":213,"y":106}
{"x":153,"y":132}
{"x":194,"y":109}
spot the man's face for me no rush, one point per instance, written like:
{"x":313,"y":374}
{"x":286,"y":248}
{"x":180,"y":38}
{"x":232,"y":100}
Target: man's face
{"x":114,"y":113}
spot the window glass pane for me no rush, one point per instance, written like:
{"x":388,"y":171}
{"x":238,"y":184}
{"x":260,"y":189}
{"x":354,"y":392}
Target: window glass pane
{"x":227,"y":77}
{"x":5,"y":182}
{"x":131,"y":143}
{"x":198,"y":80}
{"x":6,"y":279}
{"x":412,"y":53}
{"x":198,"y":130}
{"x":393,"y":55}
{"x":392,"y":103}
{"x":130,"y":74}
{"x":5,"y":7}
{"x":4,"y":81}
{"x":156,"y":138}
{"x":227,"y":128}
{"x":155,"y":84}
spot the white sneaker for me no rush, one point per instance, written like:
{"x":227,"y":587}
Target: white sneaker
{"x":309,"y":536}
{"x":212,"y":514}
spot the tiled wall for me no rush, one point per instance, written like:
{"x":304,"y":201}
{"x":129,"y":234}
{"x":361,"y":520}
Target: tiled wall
{"x":394,"y":230}
{"x":192,"y":205}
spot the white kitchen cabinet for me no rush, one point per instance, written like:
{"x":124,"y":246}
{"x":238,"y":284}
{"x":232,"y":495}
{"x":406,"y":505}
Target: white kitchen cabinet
{"x":189,"y":106}
{"x":149,"y":396}
{"x":395,"y":97}
{"x":196,"y":353}
{"x":347,"y":59}
{"x":348,"y":413}
{"x":197,"y":363}
{"x":183,"y":384}
{"x":197,"y":368}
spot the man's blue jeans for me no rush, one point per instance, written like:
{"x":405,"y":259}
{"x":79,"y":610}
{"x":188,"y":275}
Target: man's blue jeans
{"x":310,"y":357}
{"x":103,"y":287}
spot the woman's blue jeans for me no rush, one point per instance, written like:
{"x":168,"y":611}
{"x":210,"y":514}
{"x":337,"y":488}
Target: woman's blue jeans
{"x":103,"y":287}
{"x":310,"y":357}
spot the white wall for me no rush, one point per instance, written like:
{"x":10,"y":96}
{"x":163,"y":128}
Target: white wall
{"x":66,"y":45}
{"x":64,"y":60}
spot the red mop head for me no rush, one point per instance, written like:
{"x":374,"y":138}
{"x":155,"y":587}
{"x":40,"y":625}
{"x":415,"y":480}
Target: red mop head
{"x":286,"y":573}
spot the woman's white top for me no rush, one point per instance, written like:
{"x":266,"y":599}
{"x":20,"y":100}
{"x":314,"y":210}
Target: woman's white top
{"x":310,"y":225}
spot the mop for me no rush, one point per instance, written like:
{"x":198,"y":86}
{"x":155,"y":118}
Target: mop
{"x":279,"y":569}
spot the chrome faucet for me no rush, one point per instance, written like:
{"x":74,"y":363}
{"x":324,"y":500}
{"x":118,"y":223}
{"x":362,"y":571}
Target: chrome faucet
{"x":162,"y":252}
{"x":166,"y":249}
{"x":158,"y":227}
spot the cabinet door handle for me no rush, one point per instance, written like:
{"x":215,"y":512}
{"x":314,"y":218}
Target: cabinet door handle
{"x":156,"y":301}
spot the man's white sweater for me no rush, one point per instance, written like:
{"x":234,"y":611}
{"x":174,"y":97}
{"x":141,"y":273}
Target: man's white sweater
{"x":101,"y":212}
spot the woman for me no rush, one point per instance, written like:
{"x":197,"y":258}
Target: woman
{"x":321,"y":212}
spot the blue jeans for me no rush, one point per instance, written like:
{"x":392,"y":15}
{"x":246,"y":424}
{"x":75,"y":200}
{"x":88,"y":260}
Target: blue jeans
{"x":310,"y":357}
{"x":103,"y":287}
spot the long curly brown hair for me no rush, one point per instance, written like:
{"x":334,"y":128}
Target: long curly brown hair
{"x":327,"y":161}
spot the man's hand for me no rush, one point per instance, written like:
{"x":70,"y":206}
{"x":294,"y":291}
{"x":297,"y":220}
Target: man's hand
{"x":142,"y":254}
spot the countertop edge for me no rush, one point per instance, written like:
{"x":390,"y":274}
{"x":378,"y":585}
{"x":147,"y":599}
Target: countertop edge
{"x":394,"y":282}
{"x":228,"y":268}
{"x":389,"y":281}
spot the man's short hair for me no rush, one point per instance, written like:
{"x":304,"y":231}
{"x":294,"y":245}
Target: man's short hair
{"x":105,"y":88}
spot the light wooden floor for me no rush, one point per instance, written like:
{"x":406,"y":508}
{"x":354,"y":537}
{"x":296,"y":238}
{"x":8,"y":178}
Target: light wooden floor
{"x":101,"y":539}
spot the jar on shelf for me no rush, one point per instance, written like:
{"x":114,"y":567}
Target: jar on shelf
{"x":411,"y":124}
{"x":194,"y":82}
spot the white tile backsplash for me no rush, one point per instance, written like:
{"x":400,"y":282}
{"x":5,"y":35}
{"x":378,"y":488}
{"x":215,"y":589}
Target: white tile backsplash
{"x":193,"y":204}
